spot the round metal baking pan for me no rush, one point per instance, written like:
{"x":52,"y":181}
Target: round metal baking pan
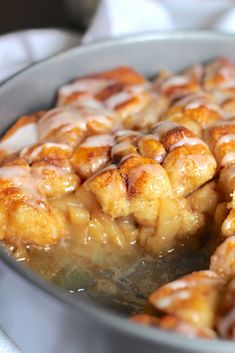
{"x":39,"y":317}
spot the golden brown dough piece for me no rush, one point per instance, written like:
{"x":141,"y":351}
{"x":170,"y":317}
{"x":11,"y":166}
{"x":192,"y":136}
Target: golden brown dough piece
{"x":188,"y":329}
{"x":22,"y":134}
{"x":51,"y":167}
{"x":196,"y":112}
{"x":223,"y":260}
{"x":189,"y":162}
{"x":122,"y":90}
{"x":175,"y":324}
{"x":221,"y":139}
{"x":132,"y":188}
{"x":25,"y":214}
{"x":219,"y":79}
{"x":205,"y":199}
{"x":70,"y":125}
{"x":195,"y":73}
{"x":92,"y":155}
{"x":130,"y":143}
{"x":194,"y":298}
{"x":226,"y":315}
{"x":174,"y":87}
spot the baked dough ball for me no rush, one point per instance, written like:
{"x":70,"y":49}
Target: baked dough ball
{"x":223,"y":260}
{"x":194,"y":298}
{"x":175,"y":324}
{"x":226,"y":315}
{"x":196,"y":112}
{"x":51,"y":167}
{"x":219,"y":78}
{"x":122,"y":91}
{"x":70,"y":125}
{"x":25,"y":214}
{"x":132,"y":188}
{"x":92,"y":155}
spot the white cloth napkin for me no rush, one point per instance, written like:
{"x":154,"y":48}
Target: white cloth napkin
{"x":119,"y":17}
{"x":113,"y":18}
{"x":21,"y":49}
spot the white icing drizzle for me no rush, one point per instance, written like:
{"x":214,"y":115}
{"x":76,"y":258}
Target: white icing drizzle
{"x":198,"y":103}
{"x":127,"y":133}
{"x":187,"y":141}
{"x":117,"y":99}
{"x":98,"y":141}
{"x":34,"y":154}
{"x":182,"y":289}
{"x":223,"y":123}
{"x":120,"y":148}
{"x":101,"y":171}
{"x":160,"y":157}
{"x":201,"y":96}
{"x":59,"y":173}
{"x":228,"y":73}
{"x":163,"y":127}
{"x":175,"y":81}
{"x":86,"y":85}
{"x":225,"y":139}
{"x":21,"y":178}
{"x":126,"y":94}
{"x":229,"y":157}
{"x":150,"y":137}
{"x":67,"y":118}
{"x":195,"y":101}
{"x":135,"y":89}
{"x":87,"y":102}
{"x":207,"y":278}
{"x":150,"y":169}
{"x":24,"y":136}
{"x":202,"y":162}
{"x":165,"y":302}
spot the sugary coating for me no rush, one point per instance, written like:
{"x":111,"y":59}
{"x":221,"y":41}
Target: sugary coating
{"x":70,"y":125}
{"x":219,"y":78}
{"x":93,"y":154}
{"x":175,"y":324}
{"x":196,"y":112}
{"x":194,"y":298}
{"x":226,"y":315}
{"x":176,"y":86}
{"x":25,"y":214}
{"x":221,"y":139}
{"x":189,"y":163}
{"x":188,"y":329}
{"x":51,"y":167}
{"x":22,"y":134}
{"x":131,"y":188}
{"x":122,"y":91}
{"x":223,"y":260}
